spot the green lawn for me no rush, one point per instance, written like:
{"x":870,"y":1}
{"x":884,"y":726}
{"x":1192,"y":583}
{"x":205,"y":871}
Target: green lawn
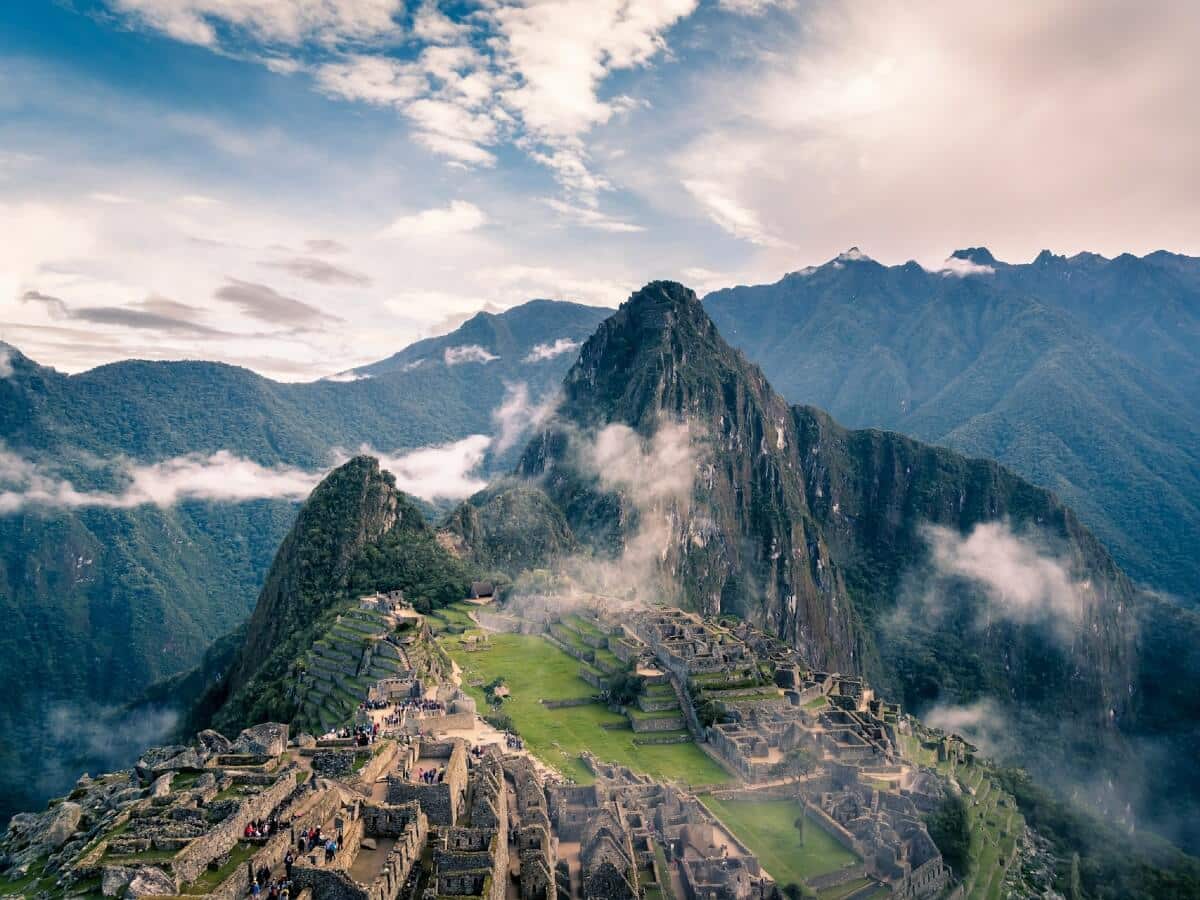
{"x":843,"y":890}
{"x":534,"y":669}
{"x":768,"y":828}
{"x":456,"y":614}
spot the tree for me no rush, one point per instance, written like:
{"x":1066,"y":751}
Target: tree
{"x":950,"y":829}
{"x":799,"y":823}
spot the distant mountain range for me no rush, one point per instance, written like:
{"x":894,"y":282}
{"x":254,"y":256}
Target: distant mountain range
{"x":1081,"y":374}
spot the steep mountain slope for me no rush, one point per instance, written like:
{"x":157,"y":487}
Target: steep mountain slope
{"x":1080,"y":374}
{"x":100,"y":602}
{"x":809,"y":530}
{"x":534,"y":332}
{"x":354,"y":535}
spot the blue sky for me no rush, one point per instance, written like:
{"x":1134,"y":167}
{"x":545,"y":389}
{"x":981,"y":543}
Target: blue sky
{"x":300,"y":186}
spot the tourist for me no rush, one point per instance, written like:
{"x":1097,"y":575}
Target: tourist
{"x":289,"y":860}
{"x":330,"y":850}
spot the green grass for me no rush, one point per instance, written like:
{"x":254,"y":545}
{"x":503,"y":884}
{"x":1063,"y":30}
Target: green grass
{"x":534,"y":669}
{"x":635,"y":713}
{"x":768,"y":828}
{"x":843,"y":890}
{"x":456,"y":614}
{"x":30,"y":883}
{"x":211,"y":879}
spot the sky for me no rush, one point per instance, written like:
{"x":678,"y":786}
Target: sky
{"x":302,"y":186}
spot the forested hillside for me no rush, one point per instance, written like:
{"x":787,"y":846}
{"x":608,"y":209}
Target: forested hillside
{"x":1081,"y":374}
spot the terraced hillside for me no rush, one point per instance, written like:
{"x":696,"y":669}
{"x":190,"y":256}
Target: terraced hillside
{"x":995,"y":821}
{"x":361,"y":647}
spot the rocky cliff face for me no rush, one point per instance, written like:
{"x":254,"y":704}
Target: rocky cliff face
{"x":816,"y":532}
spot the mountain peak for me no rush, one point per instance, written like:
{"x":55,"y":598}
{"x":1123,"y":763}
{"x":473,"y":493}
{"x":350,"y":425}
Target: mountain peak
{"x":981,"y":256}
{"x":852,"y":255}
{"x":1045,"y":258}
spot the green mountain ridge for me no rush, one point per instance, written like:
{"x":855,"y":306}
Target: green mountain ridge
{"x":101,"y":603}
{"x":1080,"y":374}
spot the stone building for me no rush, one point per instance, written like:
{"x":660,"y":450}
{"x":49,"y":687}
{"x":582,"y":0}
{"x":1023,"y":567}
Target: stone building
{"x":444,"y":797}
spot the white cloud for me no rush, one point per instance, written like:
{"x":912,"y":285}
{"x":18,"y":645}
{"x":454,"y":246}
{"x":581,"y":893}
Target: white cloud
{"x":649,"y":473}
{"x":431,"y":24}
{"x":907,"y":126}
{"x":982,"y":723}
{"x":589,"y":217}
{"x":274,"y":21}
{"x":6,"y":366}
{"x":447,"y":472}
{"x":107,"y":197}
{"x":728,"y":212}
{"x":751,"y":7}
{"x":958,"y":267}
{"x":222,"y":477}
{"x":518,"y":413}
{"x":371,"y":79}
{"x":442,"y":472}
{"x":521,"y":281}
{"x":542,"y":352}
{"x":467,"y":353}
{"x":1020,"y":582}
{"x":346,"y":377}
{"x":457,"y":217}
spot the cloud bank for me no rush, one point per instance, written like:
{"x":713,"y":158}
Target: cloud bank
{"x":446,"y":472}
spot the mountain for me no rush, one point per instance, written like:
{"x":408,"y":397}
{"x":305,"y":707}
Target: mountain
{"x":356,"y":534}
{"x":529,"y":334}
{"x":813,"y":531}
{"x":102,"y":602}
{"x":427,"y":394}
{"x":1081,"y":374}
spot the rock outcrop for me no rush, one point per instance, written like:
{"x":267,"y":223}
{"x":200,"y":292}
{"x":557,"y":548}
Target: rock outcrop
{"x":807,"y":529}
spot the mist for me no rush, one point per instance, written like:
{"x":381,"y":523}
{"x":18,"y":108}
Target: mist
{"x":1019,"y":580}
{"x":653,"y":479}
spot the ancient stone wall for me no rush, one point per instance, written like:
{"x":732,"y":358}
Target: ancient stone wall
{"x":383,"y":760}
{"x":193,"y":859}
{"x":334,"y":763}
{"x":670,"y":722}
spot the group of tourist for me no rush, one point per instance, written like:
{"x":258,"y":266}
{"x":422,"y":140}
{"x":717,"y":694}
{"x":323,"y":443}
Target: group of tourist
{"x":271,"y":889}
{"x":365,"y":734}
{"x":260,"y":828}
{"x":265,"y":886}
{"x":312,"y":840}
{"x":513,"y":741}
{"x":432,"y":776}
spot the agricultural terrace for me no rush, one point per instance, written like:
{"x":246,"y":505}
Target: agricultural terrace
{"x":535,"y":670}
{"x":995,"y":820}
